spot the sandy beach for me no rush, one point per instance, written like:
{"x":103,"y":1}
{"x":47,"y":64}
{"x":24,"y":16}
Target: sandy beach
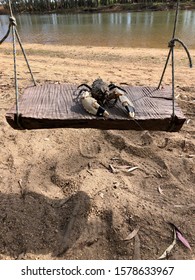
{"x":59,"y":199}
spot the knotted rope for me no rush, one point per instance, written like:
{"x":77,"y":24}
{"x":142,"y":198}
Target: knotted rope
{"x":171,"y":45}
{"x":12,"y":26}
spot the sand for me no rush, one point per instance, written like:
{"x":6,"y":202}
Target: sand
{"x":59,"y":199}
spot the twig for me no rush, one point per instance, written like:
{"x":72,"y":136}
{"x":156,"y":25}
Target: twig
{"x":90,"y":172}
{"x":22,"y":190}
{"x":111,"y":167}
{"x":160,"y":190}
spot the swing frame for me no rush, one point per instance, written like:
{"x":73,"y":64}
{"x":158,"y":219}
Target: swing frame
{"x":157,"y":111}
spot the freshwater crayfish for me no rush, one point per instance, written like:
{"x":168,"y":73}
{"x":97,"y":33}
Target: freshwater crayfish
{"x":104,"y":94}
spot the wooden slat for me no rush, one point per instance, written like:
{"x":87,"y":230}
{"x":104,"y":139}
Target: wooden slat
{"x":53,"y":106}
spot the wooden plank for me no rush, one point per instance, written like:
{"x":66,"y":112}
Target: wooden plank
{"x":54,"y":106}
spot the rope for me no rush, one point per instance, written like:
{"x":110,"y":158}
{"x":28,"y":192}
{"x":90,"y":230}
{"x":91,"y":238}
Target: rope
{"x":170,"y":50}
{"x":172,"y":42}
{"x":10,"y":8}
{"x":175,"y":22}
{"x":15,"y":73}
{"x":12,"y":21}
{"x":12,"y":26}
{"x":171,"y":45}
{"x":24,"y":54}
{"x":173,"y":82}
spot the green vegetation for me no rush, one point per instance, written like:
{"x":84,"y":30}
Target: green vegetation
{"x":48,"y":6}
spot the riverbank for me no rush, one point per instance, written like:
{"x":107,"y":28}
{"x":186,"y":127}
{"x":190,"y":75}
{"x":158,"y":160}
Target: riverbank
{"x":113,"y":61}
{"x":59,"y":198}
{"x":134,"y":7}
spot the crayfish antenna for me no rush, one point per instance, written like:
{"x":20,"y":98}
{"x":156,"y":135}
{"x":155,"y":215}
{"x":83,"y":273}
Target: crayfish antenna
{"x":79,"y":94}
{"x":113,"y":86}
{"x":84,"y":85}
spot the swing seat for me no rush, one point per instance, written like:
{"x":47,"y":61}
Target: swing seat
{"x":54,"y":106}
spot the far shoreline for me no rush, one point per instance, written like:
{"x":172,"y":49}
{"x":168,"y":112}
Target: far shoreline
{"x":114,"y":8}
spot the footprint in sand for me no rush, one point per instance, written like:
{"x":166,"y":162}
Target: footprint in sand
{"x":89,"y":148}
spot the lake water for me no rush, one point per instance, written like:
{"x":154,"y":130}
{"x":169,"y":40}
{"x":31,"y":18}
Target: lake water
{"x":131,"y":29}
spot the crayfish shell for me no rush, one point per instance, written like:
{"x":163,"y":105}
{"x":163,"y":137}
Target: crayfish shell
{"x":99,"y":90}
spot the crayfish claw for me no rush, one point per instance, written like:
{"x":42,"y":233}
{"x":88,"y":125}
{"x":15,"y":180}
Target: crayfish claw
{"x":128,"y":105}
{"x":91,"y":105}
{"x":131,"y":111}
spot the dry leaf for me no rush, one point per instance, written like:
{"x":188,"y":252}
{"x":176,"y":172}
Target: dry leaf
{"x":181,"y":237}
{"x":179,"y":205}
{"x":168,"y":250}
{"x":160,"y":175}
{"x":183,"y":240}
{"x":112,"y":168}
{"x":123,"y":167}
{"x":132,"y":169}
{"x":160,"y":190}
{"x":132,"y":234}
{"x":191,"y":156}
{"x":101,"y":195}
{"x":178,"y":95}
{"x":184,"y":205}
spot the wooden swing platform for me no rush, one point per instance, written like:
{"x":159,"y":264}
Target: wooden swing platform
{"x":54,"y":106}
